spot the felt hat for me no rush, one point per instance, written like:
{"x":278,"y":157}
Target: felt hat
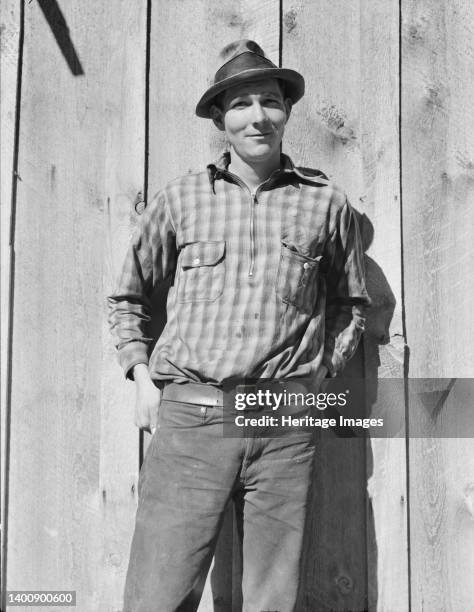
{"x":244,"y":60}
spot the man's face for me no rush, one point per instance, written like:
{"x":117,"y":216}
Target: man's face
{"x":253,"y":116}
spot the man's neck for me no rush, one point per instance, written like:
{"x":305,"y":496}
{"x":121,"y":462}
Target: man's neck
{"x":253,"y":174}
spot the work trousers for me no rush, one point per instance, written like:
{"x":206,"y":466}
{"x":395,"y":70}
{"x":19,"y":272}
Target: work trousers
{"x":191,"y":471}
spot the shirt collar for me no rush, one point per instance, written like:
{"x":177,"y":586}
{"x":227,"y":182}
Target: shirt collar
{"x":219,"y":167}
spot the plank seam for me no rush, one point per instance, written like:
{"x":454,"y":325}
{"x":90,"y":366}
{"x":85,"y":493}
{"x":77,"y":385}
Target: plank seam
{"x":147,"y":100}
{"x":280,"y":33}
{"x":141,"y":434}
{"x":406,"y":352}
{"x":9,"y":351}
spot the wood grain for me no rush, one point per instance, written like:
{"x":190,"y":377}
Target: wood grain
{"x":438,"y":183}
{"x":73,"y":446}
{"x":124,"y":116}
{"x":347,"y":125}
{"x":441,"y":495}
{"x":384,"y":341}
{"x":9,"y":40}
{"x":437,"y":146}
{"x":9,"y":56}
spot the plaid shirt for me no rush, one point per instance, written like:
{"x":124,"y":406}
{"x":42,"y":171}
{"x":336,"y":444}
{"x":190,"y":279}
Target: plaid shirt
{"x":268,"y":284}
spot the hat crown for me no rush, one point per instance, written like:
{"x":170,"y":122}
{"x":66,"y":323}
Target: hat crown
{"x":240,"y":56}
{"x":237,"y":47}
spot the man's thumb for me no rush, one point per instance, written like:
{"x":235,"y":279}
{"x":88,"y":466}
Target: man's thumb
{"x":153,"y":420}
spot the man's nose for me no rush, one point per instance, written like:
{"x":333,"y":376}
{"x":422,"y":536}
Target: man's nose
{"x":258,"y":113}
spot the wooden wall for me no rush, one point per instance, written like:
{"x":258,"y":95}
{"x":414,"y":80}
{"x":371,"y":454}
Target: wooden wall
{"x":73,"y":454}
{"x":105,"y":113}
{"x":10,"y":46}
{"x":438,"y":188}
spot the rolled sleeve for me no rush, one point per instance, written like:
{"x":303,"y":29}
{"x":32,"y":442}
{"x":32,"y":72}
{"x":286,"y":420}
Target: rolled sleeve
{"x":150,"y":258}
{"x":347,"y":298}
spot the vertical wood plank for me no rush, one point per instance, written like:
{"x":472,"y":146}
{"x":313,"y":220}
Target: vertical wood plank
{"x":10,"y":20}
{"x":73,"y":445}
{"x":437,"y":147}
{"x":322,"y":41}
{"x":347,"y":125}
{"x":9,"y":40}
{"x":57,"y":312}
{"x":124,"y":118}
{"x":438,"y":183}
{"x":384,"y":341}
{"x":180,"y":142}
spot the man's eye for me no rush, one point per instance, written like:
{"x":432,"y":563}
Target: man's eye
{"x":239,"y":104}
{"x":272,"y":102}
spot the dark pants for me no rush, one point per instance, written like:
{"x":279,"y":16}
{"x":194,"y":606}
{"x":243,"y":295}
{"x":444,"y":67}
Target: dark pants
{"x":190,"y":473}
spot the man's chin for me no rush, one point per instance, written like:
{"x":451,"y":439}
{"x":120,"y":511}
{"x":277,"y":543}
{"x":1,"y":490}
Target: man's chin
{"x":259,"y":154}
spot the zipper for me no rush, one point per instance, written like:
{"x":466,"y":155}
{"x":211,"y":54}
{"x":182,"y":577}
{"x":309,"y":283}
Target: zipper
{"x":252,"y":201}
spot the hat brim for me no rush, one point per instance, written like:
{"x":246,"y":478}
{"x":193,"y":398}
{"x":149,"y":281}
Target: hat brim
{"x":294,"y":85}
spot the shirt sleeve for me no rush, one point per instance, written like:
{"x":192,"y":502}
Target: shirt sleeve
{"x":347,"y":298}
{"x":150,"y":258}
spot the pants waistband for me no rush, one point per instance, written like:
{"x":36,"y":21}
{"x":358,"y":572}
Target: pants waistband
{"x":194,"y":393}
{"x":211,"y":395}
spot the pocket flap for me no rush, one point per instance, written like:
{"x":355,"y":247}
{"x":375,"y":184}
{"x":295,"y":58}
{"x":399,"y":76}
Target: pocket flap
{"x":293,"y":252}
{"x":199,"y":254}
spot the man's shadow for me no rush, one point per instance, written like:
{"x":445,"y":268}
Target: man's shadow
{"x":340,"y":561}
{"x":340,"y":557}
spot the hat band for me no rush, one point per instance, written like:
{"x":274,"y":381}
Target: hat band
{"x":245,"y":61}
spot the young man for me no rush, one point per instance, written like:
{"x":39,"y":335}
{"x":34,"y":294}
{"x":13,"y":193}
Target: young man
{"x":267,"y":283}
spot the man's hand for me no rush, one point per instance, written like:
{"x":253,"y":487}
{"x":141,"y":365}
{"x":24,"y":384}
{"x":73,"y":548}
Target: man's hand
{"x":320,"y":376}
{"x":148,"y":399}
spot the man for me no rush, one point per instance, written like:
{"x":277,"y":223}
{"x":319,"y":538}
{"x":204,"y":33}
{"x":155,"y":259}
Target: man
{"x":267,"y":283}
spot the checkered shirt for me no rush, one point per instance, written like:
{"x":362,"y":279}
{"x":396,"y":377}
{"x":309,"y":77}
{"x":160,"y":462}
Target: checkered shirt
{"x":267,"y":284}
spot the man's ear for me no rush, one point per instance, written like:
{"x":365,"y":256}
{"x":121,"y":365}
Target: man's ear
{"x":217,"y":117}
{"x":288,"y":107}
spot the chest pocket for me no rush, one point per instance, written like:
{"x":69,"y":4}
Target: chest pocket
{"x":297,"y":279}
{"x":202,"y":272}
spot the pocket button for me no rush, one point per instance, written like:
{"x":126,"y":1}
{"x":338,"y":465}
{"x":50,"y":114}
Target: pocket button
{"x":201,"y":274}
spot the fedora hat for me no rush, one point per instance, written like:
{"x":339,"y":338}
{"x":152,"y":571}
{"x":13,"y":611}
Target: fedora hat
{"x":244,"y":60}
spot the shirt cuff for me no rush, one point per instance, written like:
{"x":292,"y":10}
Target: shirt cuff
{"x":131,"y":354}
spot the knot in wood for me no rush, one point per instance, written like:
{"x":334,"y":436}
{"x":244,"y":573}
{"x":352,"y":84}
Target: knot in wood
{"x":345,"y":584}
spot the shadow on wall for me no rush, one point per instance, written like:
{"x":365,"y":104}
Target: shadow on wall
{"x":60,"y":30}
{"x":340,"y":563}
